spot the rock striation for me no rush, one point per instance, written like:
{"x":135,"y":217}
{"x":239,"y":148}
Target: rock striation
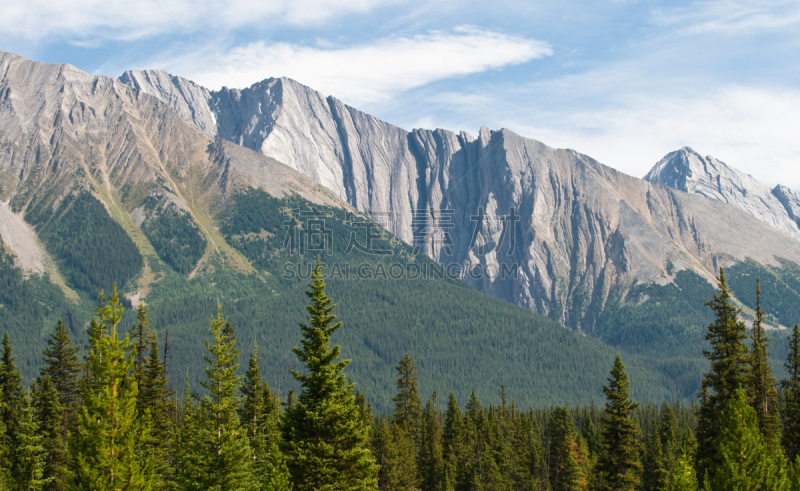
{"x":688,"y":171}
{"x":574,"y":231}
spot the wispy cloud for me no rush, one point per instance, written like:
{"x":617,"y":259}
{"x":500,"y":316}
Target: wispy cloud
{"x":363,"y":74}
{"x":82,"y":20}
{"x":730,"y":16}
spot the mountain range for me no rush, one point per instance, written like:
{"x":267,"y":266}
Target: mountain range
{"x":182,"y":195}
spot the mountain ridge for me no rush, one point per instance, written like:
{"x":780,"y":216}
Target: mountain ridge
{"x":584,"y":228}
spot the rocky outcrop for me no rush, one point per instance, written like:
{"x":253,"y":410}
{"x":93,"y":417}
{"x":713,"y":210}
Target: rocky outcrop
{"x":688,"y":171}
{"x":579,"y":229}
{"x":63,"y":131}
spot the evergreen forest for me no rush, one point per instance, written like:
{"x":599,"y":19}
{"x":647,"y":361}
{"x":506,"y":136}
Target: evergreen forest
{"x":102,"y":413}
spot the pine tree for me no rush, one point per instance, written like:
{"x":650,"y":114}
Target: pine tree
{"x":655,"y":475}
{"x":13,"y":399}
{"x":154,"y":406}
{"x":105,"y":442}
{"x":5,"y":473}
{"x":399,"y":468}
{"x":431,"y":461}
{"x":220,"y":457}
{"x":62,"y":365}
{"x":791,"y":432}
{"x":571,"y":477}
{"x":140,"y":338}
{"x":762,"y":394}
{"x":745,"y":460}
{"x":683,"y":476}
{"x":618,"y":467}
{"x":191,"y":465}
{"x":30,"y":453}
{"x":259,"y":415}
{"x":324,"y":437}
{"x":49,"y":413}
{"x":561,"y":430}
{"x":453,"y":443}
{"x":668,"y":432}
{"x":408,"y":412}
{"x":729,"y":357}
{"x":277,"y":476}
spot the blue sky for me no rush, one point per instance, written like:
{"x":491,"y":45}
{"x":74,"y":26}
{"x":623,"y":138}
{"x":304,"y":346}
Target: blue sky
{"x":622,"y":81}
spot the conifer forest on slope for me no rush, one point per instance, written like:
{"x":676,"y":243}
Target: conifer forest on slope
{"x":103,"y":416}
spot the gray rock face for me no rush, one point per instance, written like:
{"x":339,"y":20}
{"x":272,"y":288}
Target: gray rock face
{"x":579,"y":229}
{"x":63,"y":131}
{"x":686,"y":170}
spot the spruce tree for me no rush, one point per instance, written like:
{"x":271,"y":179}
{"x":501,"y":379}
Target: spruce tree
{"x":729,"y":370}
{"x":408,"y":411}
{"x":5,"y":463}
{"x":571,"y":476}
{"x":683,"y":476}
{"x":399,"y":468}
{"x":277,"y":476}
{"x":13,"y":399}
{"x":668,"y":432}
{"x":30,"y":453}
{"x":762,"y":394}
{"x":745,"y":461}
{"x":219,"y":457}
{"x":105,"y":443}
{"x":325,"y":440}
{"x":618,"y":467}
{"x":791,"y":432}
{"x":561,"y":429}
{"x":655,"y":475}
{"x":431,"y":461}
{"x":61,"y":364}
{"x":49,"y":412}
{"x":453,"y":441}
{"x":140,"y":338}
{"x":154,"y":406}
{"x":259,"y":415}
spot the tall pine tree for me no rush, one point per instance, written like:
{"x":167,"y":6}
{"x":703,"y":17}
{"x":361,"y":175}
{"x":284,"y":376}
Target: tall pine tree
{"x":10,"y":413}
{"x":655,"y":476}
{"x":325,"y":440}
{"x":49,"y":413}
{"x":260,"y":416}
{"x":729,"y":370}
{"x":219,"y":457}
{"x":745,"y":461}
{"x":105,"y":443}
{"x":407,"y":409}
{"x":618,"y":467}
{"x":30,"y":453}
{"x":762,"y":394}
{"x":791,"y":432}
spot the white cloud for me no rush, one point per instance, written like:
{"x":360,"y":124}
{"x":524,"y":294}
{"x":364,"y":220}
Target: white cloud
{"x":363,"y":74}
{"x":79,"y":20}
{"x":752,"y":129}
{"x":730,"y":16}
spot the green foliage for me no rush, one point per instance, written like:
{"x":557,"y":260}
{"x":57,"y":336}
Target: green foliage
{"x":659,"y":320}
{"x":105,"y":443}
{"x":407,"y":409}
{"x":745,"y":461}
{"x":92,"y":249}
{"x":618,"y":467}
{"x":791,"y":432}
{"x":50,"y":416}
{"x":29,"y":452}
{"x":10,"y":410}
{"x":655,"y":475}
{"x":176,"y":239}
{"x":683,"y":477}
{"x":780,"y":285}
{"x":729,"y":371}
{"x":260,"y":415}
{"x":217,"y":454}
{"x":324,"y":436}
{"x":761,"y":391}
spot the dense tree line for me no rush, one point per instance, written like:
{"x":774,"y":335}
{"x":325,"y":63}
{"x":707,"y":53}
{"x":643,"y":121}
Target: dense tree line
{"x":107,"y":420}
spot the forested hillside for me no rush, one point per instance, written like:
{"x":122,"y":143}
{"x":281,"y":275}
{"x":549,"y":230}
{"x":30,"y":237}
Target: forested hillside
{"x":109,"y":419}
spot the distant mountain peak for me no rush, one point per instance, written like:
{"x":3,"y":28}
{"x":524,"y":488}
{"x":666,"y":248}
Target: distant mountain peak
{"x":688,"y":171}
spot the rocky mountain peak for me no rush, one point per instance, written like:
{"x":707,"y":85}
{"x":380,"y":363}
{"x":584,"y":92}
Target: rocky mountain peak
{"x":688,"y":171}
